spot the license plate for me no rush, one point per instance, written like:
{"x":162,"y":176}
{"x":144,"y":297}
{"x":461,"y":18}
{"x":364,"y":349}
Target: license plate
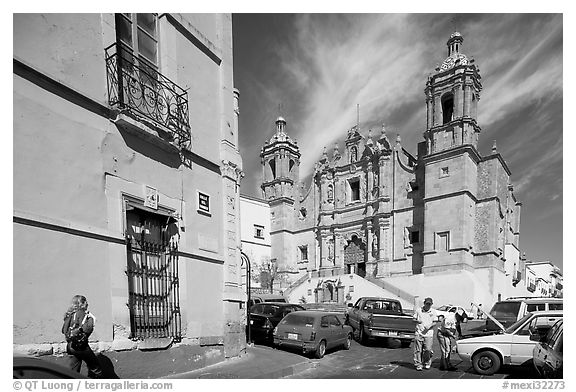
{"x":251,"y":322}
{"x":392,"y":333}
{"x":293,"y":336}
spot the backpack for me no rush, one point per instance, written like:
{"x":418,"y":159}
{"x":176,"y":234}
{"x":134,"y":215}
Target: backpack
{"x":75,"y":335}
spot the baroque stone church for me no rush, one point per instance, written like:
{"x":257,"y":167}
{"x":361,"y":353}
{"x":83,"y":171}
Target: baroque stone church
{"x":378,"y":220}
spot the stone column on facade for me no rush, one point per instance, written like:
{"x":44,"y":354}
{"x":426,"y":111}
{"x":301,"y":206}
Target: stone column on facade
{"x":437,"y":110}
{"x":323,"y":192}
{"x":467,"y":99}
{"x":370,"y":182}
{"x":324,"y":248}
{"x":371,"y":261}
{"x":384,"y":250}
{"x":430,"y":110}
{"x":339,"y":251}
{"x":383,"y":161}
{"x":458,"y":100}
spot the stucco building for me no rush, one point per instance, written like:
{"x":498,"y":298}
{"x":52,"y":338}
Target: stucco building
{"x":443,"y":222}
{"x":126,"y":181}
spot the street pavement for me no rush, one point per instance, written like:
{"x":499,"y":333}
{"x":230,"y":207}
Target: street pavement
{"x":376,"y":360}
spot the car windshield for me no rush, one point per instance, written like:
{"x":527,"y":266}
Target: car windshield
{"x":443,"y":308}
{"x":518,"y":323}
{"x":505,"y":310}
{"x":265,"y":309}
{"x":389,"y":306}
{"x":298,"y":320}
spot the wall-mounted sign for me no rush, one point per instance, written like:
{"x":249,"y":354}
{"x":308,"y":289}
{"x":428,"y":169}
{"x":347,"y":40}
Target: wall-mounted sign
{"x":151,"y":197}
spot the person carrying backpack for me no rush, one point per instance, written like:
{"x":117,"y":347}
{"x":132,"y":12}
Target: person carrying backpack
{"x":77,"y":328}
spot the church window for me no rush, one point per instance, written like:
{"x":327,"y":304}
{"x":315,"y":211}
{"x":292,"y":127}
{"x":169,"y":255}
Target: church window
{"x":354,"y":190}
{"x":291,"y":165}
{"x":303,"y":253}
{"x":330,"y":193}
{"x":353,"y":154}
{"x":447,"y":108}
{"x":259,"y":231}
{"x":443,"y":241}
{"x":272,"y":164}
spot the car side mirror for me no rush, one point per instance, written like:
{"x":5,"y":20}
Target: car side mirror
{"x":350,"y":305}
{"x":535,"y":337}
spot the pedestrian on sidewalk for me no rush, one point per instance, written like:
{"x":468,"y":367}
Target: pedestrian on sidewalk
{"x":446,"y":334}
{"x":77,"y":328}
{"x":426,"y":318}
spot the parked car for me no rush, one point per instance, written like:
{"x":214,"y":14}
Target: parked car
{"x":312,"y":332}
{"x":508,"y":346}
{"x":259,"y":298}
{"x":547,"y":355}
{"x":513,"y":309}
{"x":374,"y":317}
{"x":35,"y":368}
{"x":264,"y":317}
{"x":445,"y":309}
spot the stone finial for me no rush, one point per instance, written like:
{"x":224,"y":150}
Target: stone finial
{"x":336,"y":153}
{"x":369,"y":141}
{"x":325,"y":153}
{"x":494,"y":148}
{"x":398,"y":139}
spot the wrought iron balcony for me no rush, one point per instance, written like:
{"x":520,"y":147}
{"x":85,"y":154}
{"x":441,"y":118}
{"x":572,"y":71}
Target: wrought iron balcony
{"x":559,"y":286}
{"x":139,"y":89}
{"x":531,"y":287}
{"x":517,"y":276}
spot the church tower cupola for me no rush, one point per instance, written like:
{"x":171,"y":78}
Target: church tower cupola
{"x":452,"y":95}
{"x":280,"y":159}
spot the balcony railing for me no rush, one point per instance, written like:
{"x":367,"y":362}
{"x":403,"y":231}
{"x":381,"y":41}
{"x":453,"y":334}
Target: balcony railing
{"x":531,"y":287}
{"x":517,"y":276}
{"x":559,"y":286}
{"x":140,"y":89}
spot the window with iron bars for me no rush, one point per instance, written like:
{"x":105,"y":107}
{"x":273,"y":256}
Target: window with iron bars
{"x":152,"y":270}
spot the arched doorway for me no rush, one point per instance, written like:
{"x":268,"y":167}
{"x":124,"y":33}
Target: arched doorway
{"x":355,"y":256}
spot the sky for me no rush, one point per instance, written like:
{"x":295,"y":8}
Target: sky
{"x":314,"y":69}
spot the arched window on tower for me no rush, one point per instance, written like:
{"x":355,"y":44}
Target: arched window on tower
{"x":272,"y":164}
{"x":447,"y":108}
{"x":474,"y":106}
{"x":291,"y":165}
{"x":353,"y":154}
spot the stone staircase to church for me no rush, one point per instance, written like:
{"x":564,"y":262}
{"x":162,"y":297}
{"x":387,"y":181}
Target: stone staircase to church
{"x":302,"y":291}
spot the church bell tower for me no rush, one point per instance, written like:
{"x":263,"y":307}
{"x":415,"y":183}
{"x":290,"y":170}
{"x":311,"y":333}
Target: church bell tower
{"x":280,"y":159}
{"x":452,"y":95}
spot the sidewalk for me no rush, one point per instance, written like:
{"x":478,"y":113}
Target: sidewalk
{"x":257,"y":362}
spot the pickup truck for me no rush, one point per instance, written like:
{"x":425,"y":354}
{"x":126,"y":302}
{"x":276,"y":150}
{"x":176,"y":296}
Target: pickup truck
{"x":374,"y":317}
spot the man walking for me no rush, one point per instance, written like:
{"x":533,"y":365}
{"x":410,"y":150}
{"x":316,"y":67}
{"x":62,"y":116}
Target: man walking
{"x":425,"y":318}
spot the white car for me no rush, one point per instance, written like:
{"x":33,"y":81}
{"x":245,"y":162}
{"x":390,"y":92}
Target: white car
{"x":445,"y":309}
{"x":508,"y":346}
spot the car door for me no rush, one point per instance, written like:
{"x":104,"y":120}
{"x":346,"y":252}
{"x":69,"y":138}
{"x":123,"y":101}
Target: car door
{"x":353,"y":315}
{"x":325,"y":331}
{"x":522,"y":347}
{"x":552,"y":357}
{"x":337,"y":331}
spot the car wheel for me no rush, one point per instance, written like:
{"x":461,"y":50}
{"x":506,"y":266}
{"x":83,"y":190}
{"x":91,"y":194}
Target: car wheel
{"x":361,"y":334}
{"x":321,"y":349}
{"x":486,"y":362}
{"x":348,"y":342}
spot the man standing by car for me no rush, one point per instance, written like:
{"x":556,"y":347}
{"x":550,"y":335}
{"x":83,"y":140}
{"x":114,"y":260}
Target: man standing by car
{"x":425,"y":318}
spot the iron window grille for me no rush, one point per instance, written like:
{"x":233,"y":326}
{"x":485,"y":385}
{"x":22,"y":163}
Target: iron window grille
{"x":153,"y":283}
{"x":136,"y":87}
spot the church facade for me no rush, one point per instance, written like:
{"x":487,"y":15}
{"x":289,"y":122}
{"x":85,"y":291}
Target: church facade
{"x":405,"y":223}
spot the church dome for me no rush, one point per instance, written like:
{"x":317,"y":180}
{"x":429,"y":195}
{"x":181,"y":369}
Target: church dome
{"x":455,"y":57}
{"x":454,"y":60}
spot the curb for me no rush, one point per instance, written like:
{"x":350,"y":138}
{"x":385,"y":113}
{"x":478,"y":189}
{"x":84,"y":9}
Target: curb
{"x":289,"y":371}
